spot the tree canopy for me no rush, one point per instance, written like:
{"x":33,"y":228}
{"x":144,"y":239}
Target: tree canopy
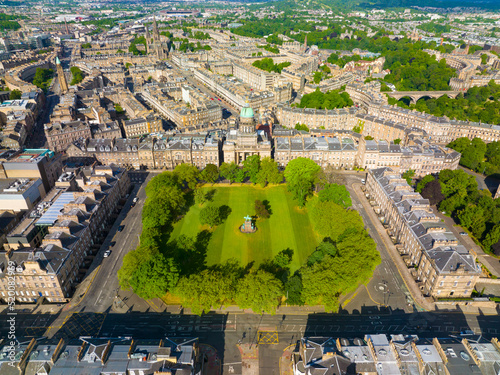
{"x":301,"y":175}
{"x":337,"y":194}
{"x":260,"y":291}
{"x":329,"y":100}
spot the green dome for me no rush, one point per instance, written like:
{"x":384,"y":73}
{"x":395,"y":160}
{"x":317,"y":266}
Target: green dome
{"x":246,"y":112}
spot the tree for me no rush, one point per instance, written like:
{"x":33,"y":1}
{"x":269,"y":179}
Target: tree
{"x":269,"y":172}
{"x":492,"y":237}
{"x":188,"y":174}
{"x":337,"y":194}
{"x":199,"y":196}
{"x":342,"y":268}
{"x":473,"y":217}
{"x":210,"y":173}
{"x":301,"y":174}
{"x":326,"y":247}
{"x":408,"y":176}
{"x":325,"y":216}
{"x":259,"y":291}
{"x":131,"y":261}
{"x":15,"y":94}
{"x":154,"y":277}
{"x":251,"y":167}
{"x":457,"y":182}
{"x":210,"y":288}
{"x":474,"y":154}
{"x":229,"y":171}
{"x":163,"y":179}
{"x":210,"y":215}
{"x":261,"y":210}
{"x":423,"y":182}
{"x":432,"y":192}
{"x":397,"y":141}
{"x":162,"y":208}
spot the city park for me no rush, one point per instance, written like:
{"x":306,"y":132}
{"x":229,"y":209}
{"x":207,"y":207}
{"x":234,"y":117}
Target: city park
{"x":249,"y":235}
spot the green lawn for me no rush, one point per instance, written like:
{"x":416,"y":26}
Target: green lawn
{"x":288,"y":226}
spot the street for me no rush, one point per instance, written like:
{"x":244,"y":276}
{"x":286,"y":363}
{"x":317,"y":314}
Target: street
{"x":274,"y":333}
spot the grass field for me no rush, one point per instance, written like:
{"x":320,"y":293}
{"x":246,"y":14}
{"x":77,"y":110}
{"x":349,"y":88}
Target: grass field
{"x":288,"y":226}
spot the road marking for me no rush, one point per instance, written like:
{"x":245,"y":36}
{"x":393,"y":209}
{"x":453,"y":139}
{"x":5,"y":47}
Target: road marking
{"x":97,"y":299}
{"x":393,"y":328}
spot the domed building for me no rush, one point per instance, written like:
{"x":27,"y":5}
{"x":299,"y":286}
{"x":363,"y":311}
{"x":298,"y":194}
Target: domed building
{"x":246,"y":141}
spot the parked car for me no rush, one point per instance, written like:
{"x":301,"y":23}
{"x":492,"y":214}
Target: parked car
{"x":463,"y":234}
{"x":134,"y":201}
{"x":120,"y":228}
{"x":107,"y":253}
{"x":112,"y":243}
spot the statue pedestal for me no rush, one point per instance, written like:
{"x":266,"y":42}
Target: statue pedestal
{"x":248,"y":227}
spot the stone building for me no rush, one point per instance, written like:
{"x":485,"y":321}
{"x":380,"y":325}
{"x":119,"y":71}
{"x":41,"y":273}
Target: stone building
{"x":338,"y":119}
{"x":62,"y":134}
{"x":340,"y":154}
{"x":63,"y":226}
{"x":142,"y":126}
{"x":440,"y":265}
{"x":246,"y":140}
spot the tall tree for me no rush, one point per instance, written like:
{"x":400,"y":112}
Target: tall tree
{"x":251,"y":166}
{"x":325,"y":216}
{"x":163,"y":179}
{"x":424,"y":181}
{"x":187,"y":174}
{"x":269,"y":172}
{"x":210,"y":173}
{"x":301,"y":174}
{"x":432,"y":192}
{"x":337,"y":194}
{"x":259,"y":291}
{"x":206,"y":290}
{"x":154,"y":277}
{"x":229,"y":171}
{"x":210,"y":215}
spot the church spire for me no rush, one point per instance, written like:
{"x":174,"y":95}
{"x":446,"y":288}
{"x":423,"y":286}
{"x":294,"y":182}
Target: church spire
{"x":156,"y":33}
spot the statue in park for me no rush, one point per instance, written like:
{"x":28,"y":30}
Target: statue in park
{"x":248,"y":226}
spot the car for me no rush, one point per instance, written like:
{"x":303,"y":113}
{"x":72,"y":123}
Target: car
{"x":463,"y":234}
{"x":135,"y":200}
{"x":363,"y":180}
{"x":373,"y":317}
{"x":376,"y":322}
{"x":120,"y":228}
{"x":112,"y":243}
{"x":107,"y":253}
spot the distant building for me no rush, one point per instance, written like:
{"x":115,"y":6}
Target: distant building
{"x":246,"y":140}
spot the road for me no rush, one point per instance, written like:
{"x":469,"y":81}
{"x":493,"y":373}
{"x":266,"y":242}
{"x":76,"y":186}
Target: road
{"x":224,"y":331}
{"x":105,"y":286}
{"x":386,"y":286}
